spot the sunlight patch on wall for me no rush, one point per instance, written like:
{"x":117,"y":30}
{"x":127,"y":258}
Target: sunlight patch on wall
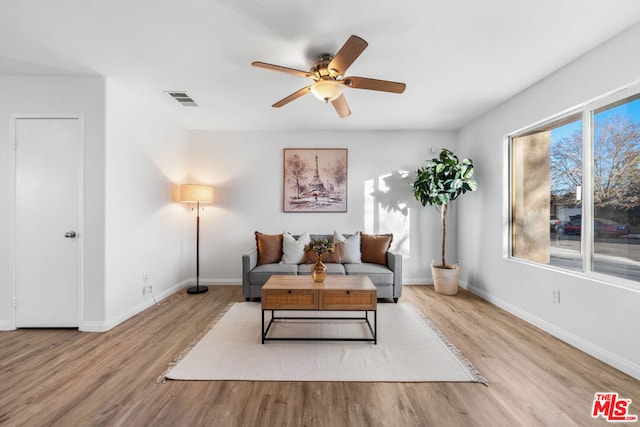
{"x":386,"y":208}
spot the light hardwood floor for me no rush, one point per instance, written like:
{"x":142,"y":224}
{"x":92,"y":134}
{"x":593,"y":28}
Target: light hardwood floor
{"x":70,"y":378}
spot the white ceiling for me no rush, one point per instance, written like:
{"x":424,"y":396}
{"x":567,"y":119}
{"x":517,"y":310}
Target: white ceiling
{"x":459,"y":58}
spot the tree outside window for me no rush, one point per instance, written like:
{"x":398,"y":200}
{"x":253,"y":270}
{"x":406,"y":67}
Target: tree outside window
{"x":547,"y":180}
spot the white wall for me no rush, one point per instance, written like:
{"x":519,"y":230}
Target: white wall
{"x":51,"y":95}
{"x":146,"y":230}
{"x":133,"y":157}
{"x":596,"y":317}
{"x":246,"y":169}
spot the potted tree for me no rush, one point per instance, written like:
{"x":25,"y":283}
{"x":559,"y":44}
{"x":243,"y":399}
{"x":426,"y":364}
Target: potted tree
{"x":439,"y":183}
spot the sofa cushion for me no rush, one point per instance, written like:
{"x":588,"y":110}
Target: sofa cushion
{"x":378,"y":274}
{"x":269,"y":248}
{"x":332,"y":268}
{"x":374,"y":247}
{"x":260,"y":274}
{"x":293,"y":249}
{"x":349,"y":247}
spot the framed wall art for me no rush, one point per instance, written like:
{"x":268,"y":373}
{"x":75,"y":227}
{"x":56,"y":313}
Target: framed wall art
{"x":315,"y":180}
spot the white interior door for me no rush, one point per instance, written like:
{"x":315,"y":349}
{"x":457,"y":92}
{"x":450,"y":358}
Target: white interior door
{"x":47,"y":221}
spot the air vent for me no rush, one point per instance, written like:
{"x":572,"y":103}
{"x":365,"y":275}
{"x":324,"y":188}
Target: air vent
{"x":183,"y":98}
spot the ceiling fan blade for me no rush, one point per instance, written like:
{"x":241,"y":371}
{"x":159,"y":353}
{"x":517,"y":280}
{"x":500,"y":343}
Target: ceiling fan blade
{"x":374,"y":84}
{"x":348,"y":53}
{"x":341,"y":106}
{"x":282,"y":69}
{"x":292,"y":97}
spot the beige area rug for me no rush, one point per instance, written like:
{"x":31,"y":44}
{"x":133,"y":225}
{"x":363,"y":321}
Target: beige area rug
{"x":409,"y":349}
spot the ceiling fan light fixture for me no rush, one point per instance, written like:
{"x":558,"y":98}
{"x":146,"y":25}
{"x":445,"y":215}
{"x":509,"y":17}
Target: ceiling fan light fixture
{"x":328,"y":75}
{"x":327,"y":90}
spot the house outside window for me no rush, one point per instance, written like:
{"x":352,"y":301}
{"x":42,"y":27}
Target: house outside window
{"x":575,"y":190}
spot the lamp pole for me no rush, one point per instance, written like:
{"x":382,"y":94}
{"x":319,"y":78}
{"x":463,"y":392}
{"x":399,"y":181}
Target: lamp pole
{"x":197,"y":289}
{"x":194,"y":193}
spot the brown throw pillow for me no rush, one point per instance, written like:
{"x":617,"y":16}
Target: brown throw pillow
{"x":269,"y":248}
{"x":374,"y":247}
{"x":327,"y":258}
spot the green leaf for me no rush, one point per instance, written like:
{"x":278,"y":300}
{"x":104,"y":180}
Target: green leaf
{"x":443,"y":179}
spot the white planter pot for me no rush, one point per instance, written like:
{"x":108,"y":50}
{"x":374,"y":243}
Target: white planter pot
{"x":445,"y":280}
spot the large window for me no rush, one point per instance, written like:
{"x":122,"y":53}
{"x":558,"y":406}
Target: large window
{"x":575,"y":190}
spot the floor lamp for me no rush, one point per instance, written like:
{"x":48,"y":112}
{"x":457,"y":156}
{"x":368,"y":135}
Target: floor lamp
{"x":195,"y":193}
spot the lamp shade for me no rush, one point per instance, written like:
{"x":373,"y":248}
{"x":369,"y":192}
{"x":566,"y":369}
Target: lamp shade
{"x":327,"y":90}
{"x":196,"y":193}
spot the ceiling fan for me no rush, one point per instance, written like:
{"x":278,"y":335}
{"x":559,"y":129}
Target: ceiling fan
{"x":329,"y":80}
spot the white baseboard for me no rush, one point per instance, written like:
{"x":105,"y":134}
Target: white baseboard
{"x":427,"y":281}
{"x":92,"y":326}
{"x":103,"y":326}
{"x":97,"y":326}
{"x":5,"y":325}
{"x":599,"y":353}
{"x":206,"y":281}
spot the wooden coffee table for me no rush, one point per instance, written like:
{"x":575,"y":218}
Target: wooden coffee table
{"x":336,"y":293}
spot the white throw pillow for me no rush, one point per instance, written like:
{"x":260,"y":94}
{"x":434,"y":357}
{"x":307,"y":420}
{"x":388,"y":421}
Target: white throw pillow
{"x":349,"y":248}
{"x":292,"y":249}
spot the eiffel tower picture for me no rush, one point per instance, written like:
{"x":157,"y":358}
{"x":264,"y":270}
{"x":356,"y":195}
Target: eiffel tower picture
{"x":315,"y":180}
{"x":316,"y":187}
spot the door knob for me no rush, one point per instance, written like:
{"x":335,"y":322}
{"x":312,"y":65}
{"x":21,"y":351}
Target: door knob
{"x":70,"y":234}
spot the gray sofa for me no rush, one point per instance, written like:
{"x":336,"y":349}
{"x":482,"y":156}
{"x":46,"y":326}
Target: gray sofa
{"x":387,"y":279}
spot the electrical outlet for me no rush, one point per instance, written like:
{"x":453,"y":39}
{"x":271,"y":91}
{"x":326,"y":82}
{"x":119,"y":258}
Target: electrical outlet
{"x":145,"y":284}
{"x":555,"y":296}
